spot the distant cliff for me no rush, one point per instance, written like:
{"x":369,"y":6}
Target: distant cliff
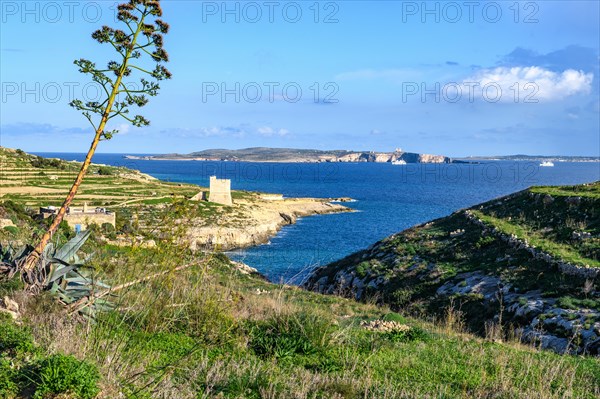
{"x":264,"y":154}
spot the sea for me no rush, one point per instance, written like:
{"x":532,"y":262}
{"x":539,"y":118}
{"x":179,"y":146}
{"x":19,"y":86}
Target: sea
{"x":387,"y":198}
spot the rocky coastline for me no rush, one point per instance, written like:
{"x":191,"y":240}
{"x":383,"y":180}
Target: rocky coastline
{"x":257,"y":222}
{"x":284,"y":155}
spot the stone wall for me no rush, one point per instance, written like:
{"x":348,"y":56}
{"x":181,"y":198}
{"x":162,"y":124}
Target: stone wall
{"x":516,"y":243}
{"x":87,"y":218}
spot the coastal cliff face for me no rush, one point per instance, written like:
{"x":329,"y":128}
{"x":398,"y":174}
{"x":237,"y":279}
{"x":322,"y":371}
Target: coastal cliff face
{"x":295,"y":155}
{"x":529,"y":261}
{"x":254,"y":221}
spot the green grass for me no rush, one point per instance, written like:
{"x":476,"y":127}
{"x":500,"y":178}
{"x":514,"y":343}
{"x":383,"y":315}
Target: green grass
{"x":557,"y":250}
{"x":209,"y":331}
{"x":26,"y":369}
{"x":587,"y":191}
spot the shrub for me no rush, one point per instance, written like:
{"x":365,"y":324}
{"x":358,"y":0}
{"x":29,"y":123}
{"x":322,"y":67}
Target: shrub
{"x":285,"y":336}
{"x":65,"y":230}
{"x":107,"y":228}
{"x":392,"y":316}
{"x":408,"y":335}
{"x":14,"y":340}
{"x":39,"y":162}
{"x":8,"y":386}
{"x":8,"y":286}
{"x":12,"y":230}
{"x":362,"y":269}
{"x":484,"y":241}
{"x":60,"y":374}
{"x":105,"y":171}
{"x":401,"y":298}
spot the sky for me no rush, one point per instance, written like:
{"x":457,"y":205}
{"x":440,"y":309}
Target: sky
{"x":457,"y":78}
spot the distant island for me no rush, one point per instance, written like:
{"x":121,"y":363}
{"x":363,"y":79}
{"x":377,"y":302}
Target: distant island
{"x":265,"y":154}
{"x":541,"y":158}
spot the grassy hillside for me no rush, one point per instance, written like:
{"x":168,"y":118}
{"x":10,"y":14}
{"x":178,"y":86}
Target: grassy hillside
{"x":211,"y":331}
{"x":527,"y":263}
{"x":196,"y":325}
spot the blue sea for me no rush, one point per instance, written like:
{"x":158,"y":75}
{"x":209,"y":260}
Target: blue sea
{"x":389,"y":198}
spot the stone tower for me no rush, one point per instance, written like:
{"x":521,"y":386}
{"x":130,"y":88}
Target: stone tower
{"x":220,"y":191}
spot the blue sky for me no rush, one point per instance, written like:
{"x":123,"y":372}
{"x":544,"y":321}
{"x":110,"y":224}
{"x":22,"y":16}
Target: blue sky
{"x":454,"y":78}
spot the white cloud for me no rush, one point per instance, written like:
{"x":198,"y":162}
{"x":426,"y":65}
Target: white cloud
{"x":268,"y":131}
{"x":204,"y":132}
{"x":241,"y":131}
{"x":527,"y":84}
{"x":123,"y":128}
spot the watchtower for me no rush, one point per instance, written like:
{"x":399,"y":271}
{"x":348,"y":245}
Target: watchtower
{"x":220,"y":191}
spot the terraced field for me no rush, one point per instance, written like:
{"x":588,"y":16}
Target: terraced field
{"x":34,"y":181}
{"x":149,"y":208}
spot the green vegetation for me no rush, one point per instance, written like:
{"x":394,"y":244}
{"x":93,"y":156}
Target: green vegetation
{"x":105,"y":171}
{"x":25,"y":367}
{"x":414,"y":264}
{"x":556,"y":249}
{"x":204,"y":329}
{"x":588,"y":191}
{"x":186,"y":324}
{"x":64,"y":374}
{"x":40,"y":162}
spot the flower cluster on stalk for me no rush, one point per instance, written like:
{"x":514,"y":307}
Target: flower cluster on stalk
{"x":142,"y":34}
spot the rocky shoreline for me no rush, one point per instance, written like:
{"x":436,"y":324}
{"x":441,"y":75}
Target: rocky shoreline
{"x":258,"y":222}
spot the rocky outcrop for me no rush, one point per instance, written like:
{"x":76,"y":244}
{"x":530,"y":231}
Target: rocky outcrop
{"x":540,"y":319}
{"x":494,"y":278}
{"x":258,"y":223}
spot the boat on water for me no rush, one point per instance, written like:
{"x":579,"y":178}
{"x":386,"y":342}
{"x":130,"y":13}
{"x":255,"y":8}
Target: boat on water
{"x":399,"y":162}
{"x":547,"y":163}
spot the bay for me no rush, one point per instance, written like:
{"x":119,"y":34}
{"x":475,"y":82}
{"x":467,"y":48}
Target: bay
{"x":389,"y":198}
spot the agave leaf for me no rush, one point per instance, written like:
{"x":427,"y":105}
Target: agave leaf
{"x":65,"y":298}
{"x":80,"y":280}
{"x":60,"y":262}
{"x":25,"y":250}
{"x":104,"y":307}
{"x":100,"y":284}
{"x":54,"y":288}
{"x":59,"y":272}
{"x":48,"y":251}
{"x":67,"y":251}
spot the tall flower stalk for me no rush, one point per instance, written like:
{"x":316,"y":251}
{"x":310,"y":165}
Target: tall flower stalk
{"x":141,"y":39}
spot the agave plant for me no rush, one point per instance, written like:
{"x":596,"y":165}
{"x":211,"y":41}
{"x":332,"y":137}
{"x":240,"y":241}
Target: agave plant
{"x":65,"y":275}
